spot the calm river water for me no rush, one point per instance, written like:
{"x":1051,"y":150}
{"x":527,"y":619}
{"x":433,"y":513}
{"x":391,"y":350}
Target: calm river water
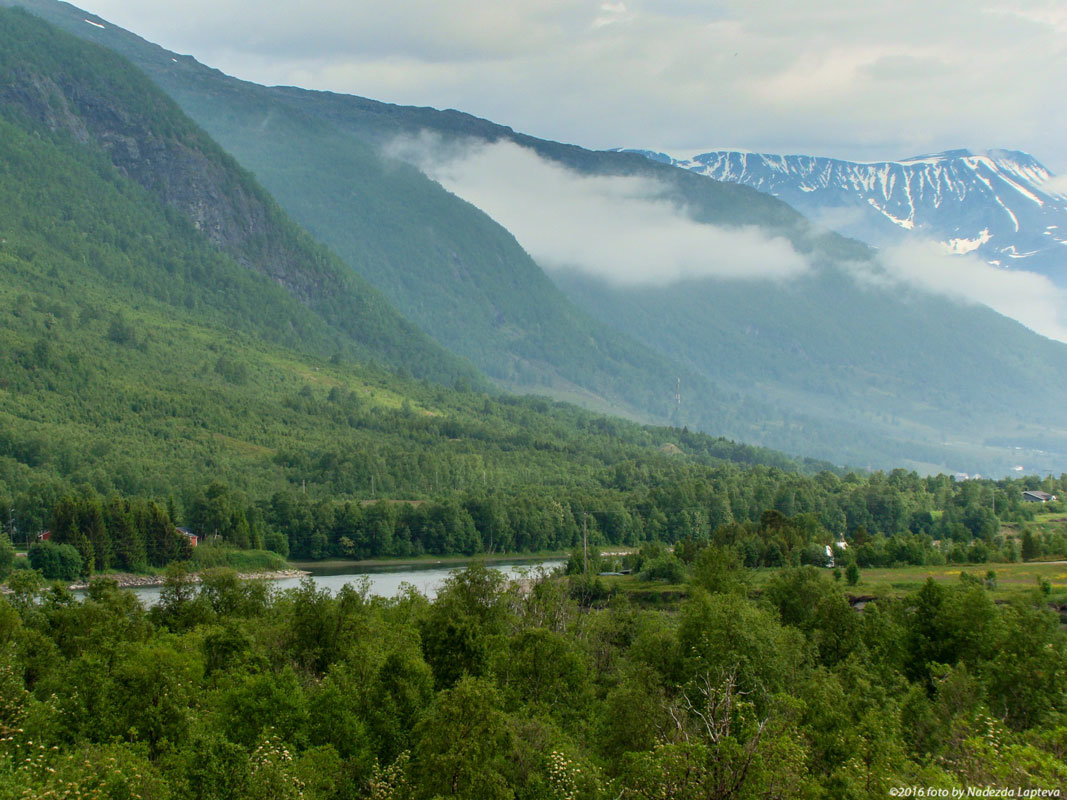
{"x":384,"y":581}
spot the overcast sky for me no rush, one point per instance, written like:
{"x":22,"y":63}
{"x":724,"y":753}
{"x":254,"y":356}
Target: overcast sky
{"x":873,"y":79}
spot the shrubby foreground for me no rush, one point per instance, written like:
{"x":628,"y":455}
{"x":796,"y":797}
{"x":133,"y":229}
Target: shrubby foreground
{"x":229,"y":689}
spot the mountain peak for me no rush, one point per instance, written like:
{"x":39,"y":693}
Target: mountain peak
{"x":956,"y":152}
{"x":996,"y":203}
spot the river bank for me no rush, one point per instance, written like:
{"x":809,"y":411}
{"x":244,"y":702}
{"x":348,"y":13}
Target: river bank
{"x":127,"y":580}
{"x":425,"y":578}
{"x":426,"y":561}
{"x":335,"y":567}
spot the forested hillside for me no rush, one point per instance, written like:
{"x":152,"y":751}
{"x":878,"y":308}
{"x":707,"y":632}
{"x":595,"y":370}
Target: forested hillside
{"x":141,"y":358}
{"x":143,"y":361}
{"x":173,"y":217}
{"x":838,"y":363}
{"x":442,"y":262}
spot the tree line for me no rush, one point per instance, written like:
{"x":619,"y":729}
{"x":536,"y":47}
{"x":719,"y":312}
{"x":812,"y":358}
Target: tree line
{"x":770,"y":517}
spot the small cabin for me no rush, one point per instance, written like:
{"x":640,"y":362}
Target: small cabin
{"x":1034,"y":496}
{"x":188,"y":534}
{"x":44,"y":536}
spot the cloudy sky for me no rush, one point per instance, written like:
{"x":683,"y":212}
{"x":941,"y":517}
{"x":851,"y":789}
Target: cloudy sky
{"x":869,"y":80}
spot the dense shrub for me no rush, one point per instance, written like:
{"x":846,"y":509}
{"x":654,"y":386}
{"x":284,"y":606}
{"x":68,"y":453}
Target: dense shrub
{"x":207,"y":556}
{"x":56,"y":561}
{"x":277,"y":543}
{"x":664,"y":568}
{"x":814,"y":555}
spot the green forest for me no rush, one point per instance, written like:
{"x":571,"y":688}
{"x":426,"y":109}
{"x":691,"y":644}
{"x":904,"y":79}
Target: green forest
{"x":227,"y":689}
{"x":767,"y":516}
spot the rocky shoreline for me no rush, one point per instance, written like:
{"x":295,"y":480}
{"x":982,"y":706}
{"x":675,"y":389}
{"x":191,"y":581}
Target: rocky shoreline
{"x":132,"y":581}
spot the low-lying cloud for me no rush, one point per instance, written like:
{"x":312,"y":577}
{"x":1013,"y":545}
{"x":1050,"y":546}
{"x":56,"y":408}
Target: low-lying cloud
{"x":628,"y":231}
{"x":1027,"y":297}
{"x":1057,"y":183}
{"x":622,"y":229}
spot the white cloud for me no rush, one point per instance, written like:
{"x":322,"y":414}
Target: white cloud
{"x":1057,"y":183}
{"x":612,"y":14}
{"x":626,"y":230}
{"x":623,"y":229}
{"x":1027,"y":297}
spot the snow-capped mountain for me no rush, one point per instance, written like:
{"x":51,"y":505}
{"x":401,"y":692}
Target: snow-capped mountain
{"x":998,"y":205}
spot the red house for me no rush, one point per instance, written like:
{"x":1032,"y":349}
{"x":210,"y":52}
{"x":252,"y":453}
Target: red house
{"x":188,"y":534}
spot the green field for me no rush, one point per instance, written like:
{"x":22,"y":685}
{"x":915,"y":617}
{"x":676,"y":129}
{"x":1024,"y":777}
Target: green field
{"x":1013,"y":581}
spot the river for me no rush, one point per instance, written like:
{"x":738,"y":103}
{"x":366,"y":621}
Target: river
{"x":385,"y":581}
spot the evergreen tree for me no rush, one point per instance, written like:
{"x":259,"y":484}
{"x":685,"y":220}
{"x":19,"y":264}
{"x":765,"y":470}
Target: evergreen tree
{"x":91,"y":522}
{"x":1030,"y":548}
{"x":128,"y":546}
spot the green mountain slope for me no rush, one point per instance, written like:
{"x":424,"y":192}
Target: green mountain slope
{"x":443,"y":263}
{"x":53,"y":84}
{"x":138,"y":357}
{"x":123,"y":369}
{"x":823,"y":365}
{"x":840,"y":368}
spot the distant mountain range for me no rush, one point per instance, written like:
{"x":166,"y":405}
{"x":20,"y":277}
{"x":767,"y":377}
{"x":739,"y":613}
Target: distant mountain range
{"x":997,"y":205}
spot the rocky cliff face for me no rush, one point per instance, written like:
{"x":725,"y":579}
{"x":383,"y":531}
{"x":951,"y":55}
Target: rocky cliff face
{"x":180,"y":166}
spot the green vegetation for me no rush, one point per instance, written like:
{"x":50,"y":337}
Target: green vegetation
{"x":185,"y":227}
{"x":151,"y":375}
{"x":819,"y":366}
{"x":1044,"y":536}
{"x":211,"y":556}
{"x":60,"y":562}
{"x":7,"y":555}
{"x":229,"y":689}
{"x":1009,"y":581}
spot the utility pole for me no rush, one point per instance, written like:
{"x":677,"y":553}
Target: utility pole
{"x":677,"y":401}
{"x":585,"y":542}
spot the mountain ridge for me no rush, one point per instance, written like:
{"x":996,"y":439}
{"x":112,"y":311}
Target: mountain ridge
{"x":833,"y":364}
{"x":102,"y":102}
{"x":445,"y":264}
{"x":995,"y":203}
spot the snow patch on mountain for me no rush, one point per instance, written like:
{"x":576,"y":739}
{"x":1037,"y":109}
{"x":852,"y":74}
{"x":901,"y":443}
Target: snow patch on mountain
{"x":1001,"y":205}
{"x":963,"y":246}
